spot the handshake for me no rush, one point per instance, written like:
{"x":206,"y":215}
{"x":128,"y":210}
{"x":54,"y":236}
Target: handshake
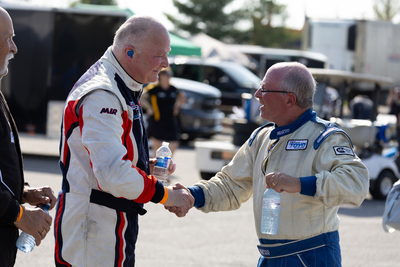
{"x":180,"y":200}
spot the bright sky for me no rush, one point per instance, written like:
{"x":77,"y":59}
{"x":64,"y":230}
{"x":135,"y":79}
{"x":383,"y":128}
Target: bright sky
{"x":297,"y":9}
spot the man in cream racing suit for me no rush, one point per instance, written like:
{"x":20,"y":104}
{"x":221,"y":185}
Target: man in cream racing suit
{"x":104,"y":152}
{"x":308,"y":160}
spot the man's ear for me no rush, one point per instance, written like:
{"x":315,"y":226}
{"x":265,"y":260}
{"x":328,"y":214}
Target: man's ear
{"x":291,"y":99}
{"x":129,"y":51}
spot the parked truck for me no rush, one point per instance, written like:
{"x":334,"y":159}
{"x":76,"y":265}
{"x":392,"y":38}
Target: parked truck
{"x":361,"y":46}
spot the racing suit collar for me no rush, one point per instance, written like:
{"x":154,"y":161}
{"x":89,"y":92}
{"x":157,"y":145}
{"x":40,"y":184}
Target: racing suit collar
{"x":290,"y":128}
{"x":131,"y":83}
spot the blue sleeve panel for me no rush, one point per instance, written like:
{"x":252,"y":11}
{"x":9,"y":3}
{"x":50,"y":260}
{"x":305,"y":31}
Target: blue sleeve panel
{"x":308,"y":185}
{"x":198,"y":194}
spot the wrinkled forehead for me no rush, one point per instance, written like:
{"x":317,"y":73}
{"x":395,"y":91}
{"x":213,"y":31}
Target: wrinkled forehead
{"x":6,"y":26}
{"x":159,"y":42}
{"x":272,"y":75}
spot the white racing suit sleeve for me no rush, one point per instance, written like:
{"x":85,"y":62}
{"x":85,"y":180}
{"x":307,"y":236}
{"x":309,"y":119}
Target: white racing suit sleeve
{"x":101,"y":122}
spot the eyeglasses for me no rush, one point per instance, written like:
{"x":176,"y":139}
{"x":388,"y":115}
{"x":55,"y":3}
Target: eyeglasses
{"x":272,"y":91}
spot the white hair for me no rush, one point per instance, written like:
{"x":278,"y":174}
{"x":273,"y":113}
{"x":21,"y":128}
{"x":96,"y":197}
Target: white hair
{"x":135,"y":29}
{"x":298,"y":80}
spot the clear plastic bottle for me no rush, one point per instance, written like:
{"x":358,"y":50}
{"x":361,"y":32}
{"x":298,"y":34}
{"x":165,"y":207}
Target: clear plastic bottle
{"x":270,"y":212}
{"x":26,"y":242}
{"x":163,"y":155}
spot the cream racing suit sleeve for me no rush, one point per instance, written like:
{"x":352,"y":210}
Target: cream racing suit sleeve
{"x":230,"y":187}
{"x":341,"y":178}
{"x":101,"y":122}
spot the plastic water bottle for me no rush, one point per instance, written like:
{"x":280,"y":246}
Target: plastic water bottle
{"x":270,"y":212}
{"x":163,"y":155}
{"x":26,"y":242}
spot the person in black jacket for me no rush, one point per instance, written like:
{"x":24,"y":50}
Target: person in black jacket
{"x":13,"y":189}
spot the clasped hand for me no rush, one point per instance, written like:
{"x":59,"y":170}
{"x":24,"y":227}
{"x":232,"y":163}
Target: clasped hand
{"x":179,"y":201}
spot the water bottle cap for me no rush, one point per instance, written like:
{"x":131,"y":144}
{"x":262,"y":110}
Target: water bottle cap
{"x":165,"y":143}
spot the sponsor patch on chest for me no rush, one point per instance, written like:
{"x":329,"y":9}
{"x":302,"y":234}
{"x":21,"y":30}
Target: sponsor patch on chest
{"x":297,"y":144}
{"x":343,"y":150}
{"x":111,"y":111}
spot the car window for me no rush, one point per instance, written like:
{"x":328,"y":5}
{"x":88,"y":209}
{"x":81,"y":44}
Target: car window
{"x":187,"y":71}
{"x":242,"y":76}
{"x":217,"y":78}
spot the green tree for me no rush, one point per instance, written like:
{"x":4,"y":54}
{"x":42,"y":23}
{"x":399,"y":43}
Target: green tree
{"x":386,"y":9}
{"x":262,"y":22}
{"x":207,"y":16}
{"x":268,"y":18}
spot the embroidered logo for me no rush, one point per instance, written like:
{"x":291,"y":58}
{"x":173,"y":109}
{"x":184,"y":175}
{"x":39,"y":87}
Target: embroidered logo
{"x":343,"y":150}
{"x":297,"y":144}
{"x":282,"y":132}
{"x":135,"y":109}
{"x":111,"y":111}
{"x":12,"y":137}
{"x":264,"y":252}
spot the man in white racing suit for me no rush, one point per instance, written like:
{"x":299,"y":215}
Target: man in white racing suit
{"x":309,"y":161}
{"x":104,"y":152}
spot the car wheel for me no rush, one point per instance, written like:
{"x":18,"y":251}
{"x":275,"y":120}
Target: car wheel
{"x":383,"y":185}
{"x":207,"y":175}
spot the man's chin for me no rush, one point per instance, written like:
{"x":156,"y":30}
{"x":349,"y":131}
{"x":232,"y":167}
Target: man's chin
{"x":153,"y":78}
{"x":3,"y":73}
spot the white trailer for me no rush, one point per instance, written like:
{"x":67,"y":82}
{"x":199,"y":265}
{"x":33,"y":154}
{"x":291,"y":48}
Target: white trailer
{"x":361,"y":46}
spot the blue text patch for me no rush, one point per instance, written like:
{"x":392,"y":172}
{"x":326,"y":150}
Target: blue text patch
{"x":297,"y":144}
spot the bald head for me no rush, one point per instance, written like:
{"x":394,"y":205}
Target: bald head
{"x":295,"y":77}
{"x":141,"y":46}
{"x":7,"y":45}
{"x":136,"y":30}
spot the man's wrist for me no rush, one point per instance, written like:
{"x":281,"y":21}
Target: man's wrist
{"x":26,"y":186}
{"x":19,"y":215}
{"x":165,"y":198}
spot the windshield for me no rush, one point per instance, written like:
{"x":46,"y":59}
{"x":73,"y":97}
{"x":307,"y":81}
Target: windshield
{"x":242,"y":76}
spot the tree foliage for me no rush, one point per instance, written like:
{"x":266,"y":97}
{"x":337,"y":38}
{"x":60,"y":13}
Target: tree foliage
{"x":268,"y":19}
{"x":207,"y":16}
{"x":386,"y":9}
{"x":260,"y":22}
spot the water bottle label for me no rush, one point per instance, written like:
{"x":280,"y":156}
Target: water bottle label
{"x":163,"y":162}
{"x":271,"y":204}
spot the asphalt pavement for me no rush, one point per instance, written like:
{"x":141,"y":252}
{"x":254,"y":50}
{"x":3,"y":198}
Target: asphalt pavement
{"x":213,"y":239}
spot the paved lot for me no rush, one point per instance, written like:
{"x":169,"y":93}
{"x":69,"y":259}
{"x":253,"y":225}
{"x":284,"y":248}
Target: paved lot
{"x":223,"y":238}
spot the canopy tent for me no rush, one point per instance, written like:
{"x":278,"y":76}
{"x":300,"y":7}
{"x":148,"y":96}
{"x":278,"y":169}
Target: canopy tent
{"x":179,"y":46}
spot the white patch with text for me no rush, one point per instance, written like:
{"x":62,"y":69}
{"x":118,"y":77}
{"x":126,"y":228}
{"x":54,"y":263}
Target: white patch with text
{"x":343,"y":150}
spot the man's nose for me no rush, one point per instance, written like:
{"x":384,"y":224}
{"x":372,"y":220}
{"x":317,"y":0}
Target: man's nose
{"x":258,"y":93}
{"x":13,"y":47}
{"x":164,"y":62}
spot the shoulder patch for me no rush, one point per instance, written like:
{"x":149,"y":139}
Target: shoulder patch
{"x":343,"y":150}
{"x":330,"y":128}
{"x":256,"y":131}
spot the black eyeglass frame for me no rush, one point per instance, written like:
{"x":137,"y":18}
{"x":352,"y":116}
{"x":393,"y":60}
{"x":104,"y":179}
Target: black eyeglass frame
{"x":273,"y":91}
